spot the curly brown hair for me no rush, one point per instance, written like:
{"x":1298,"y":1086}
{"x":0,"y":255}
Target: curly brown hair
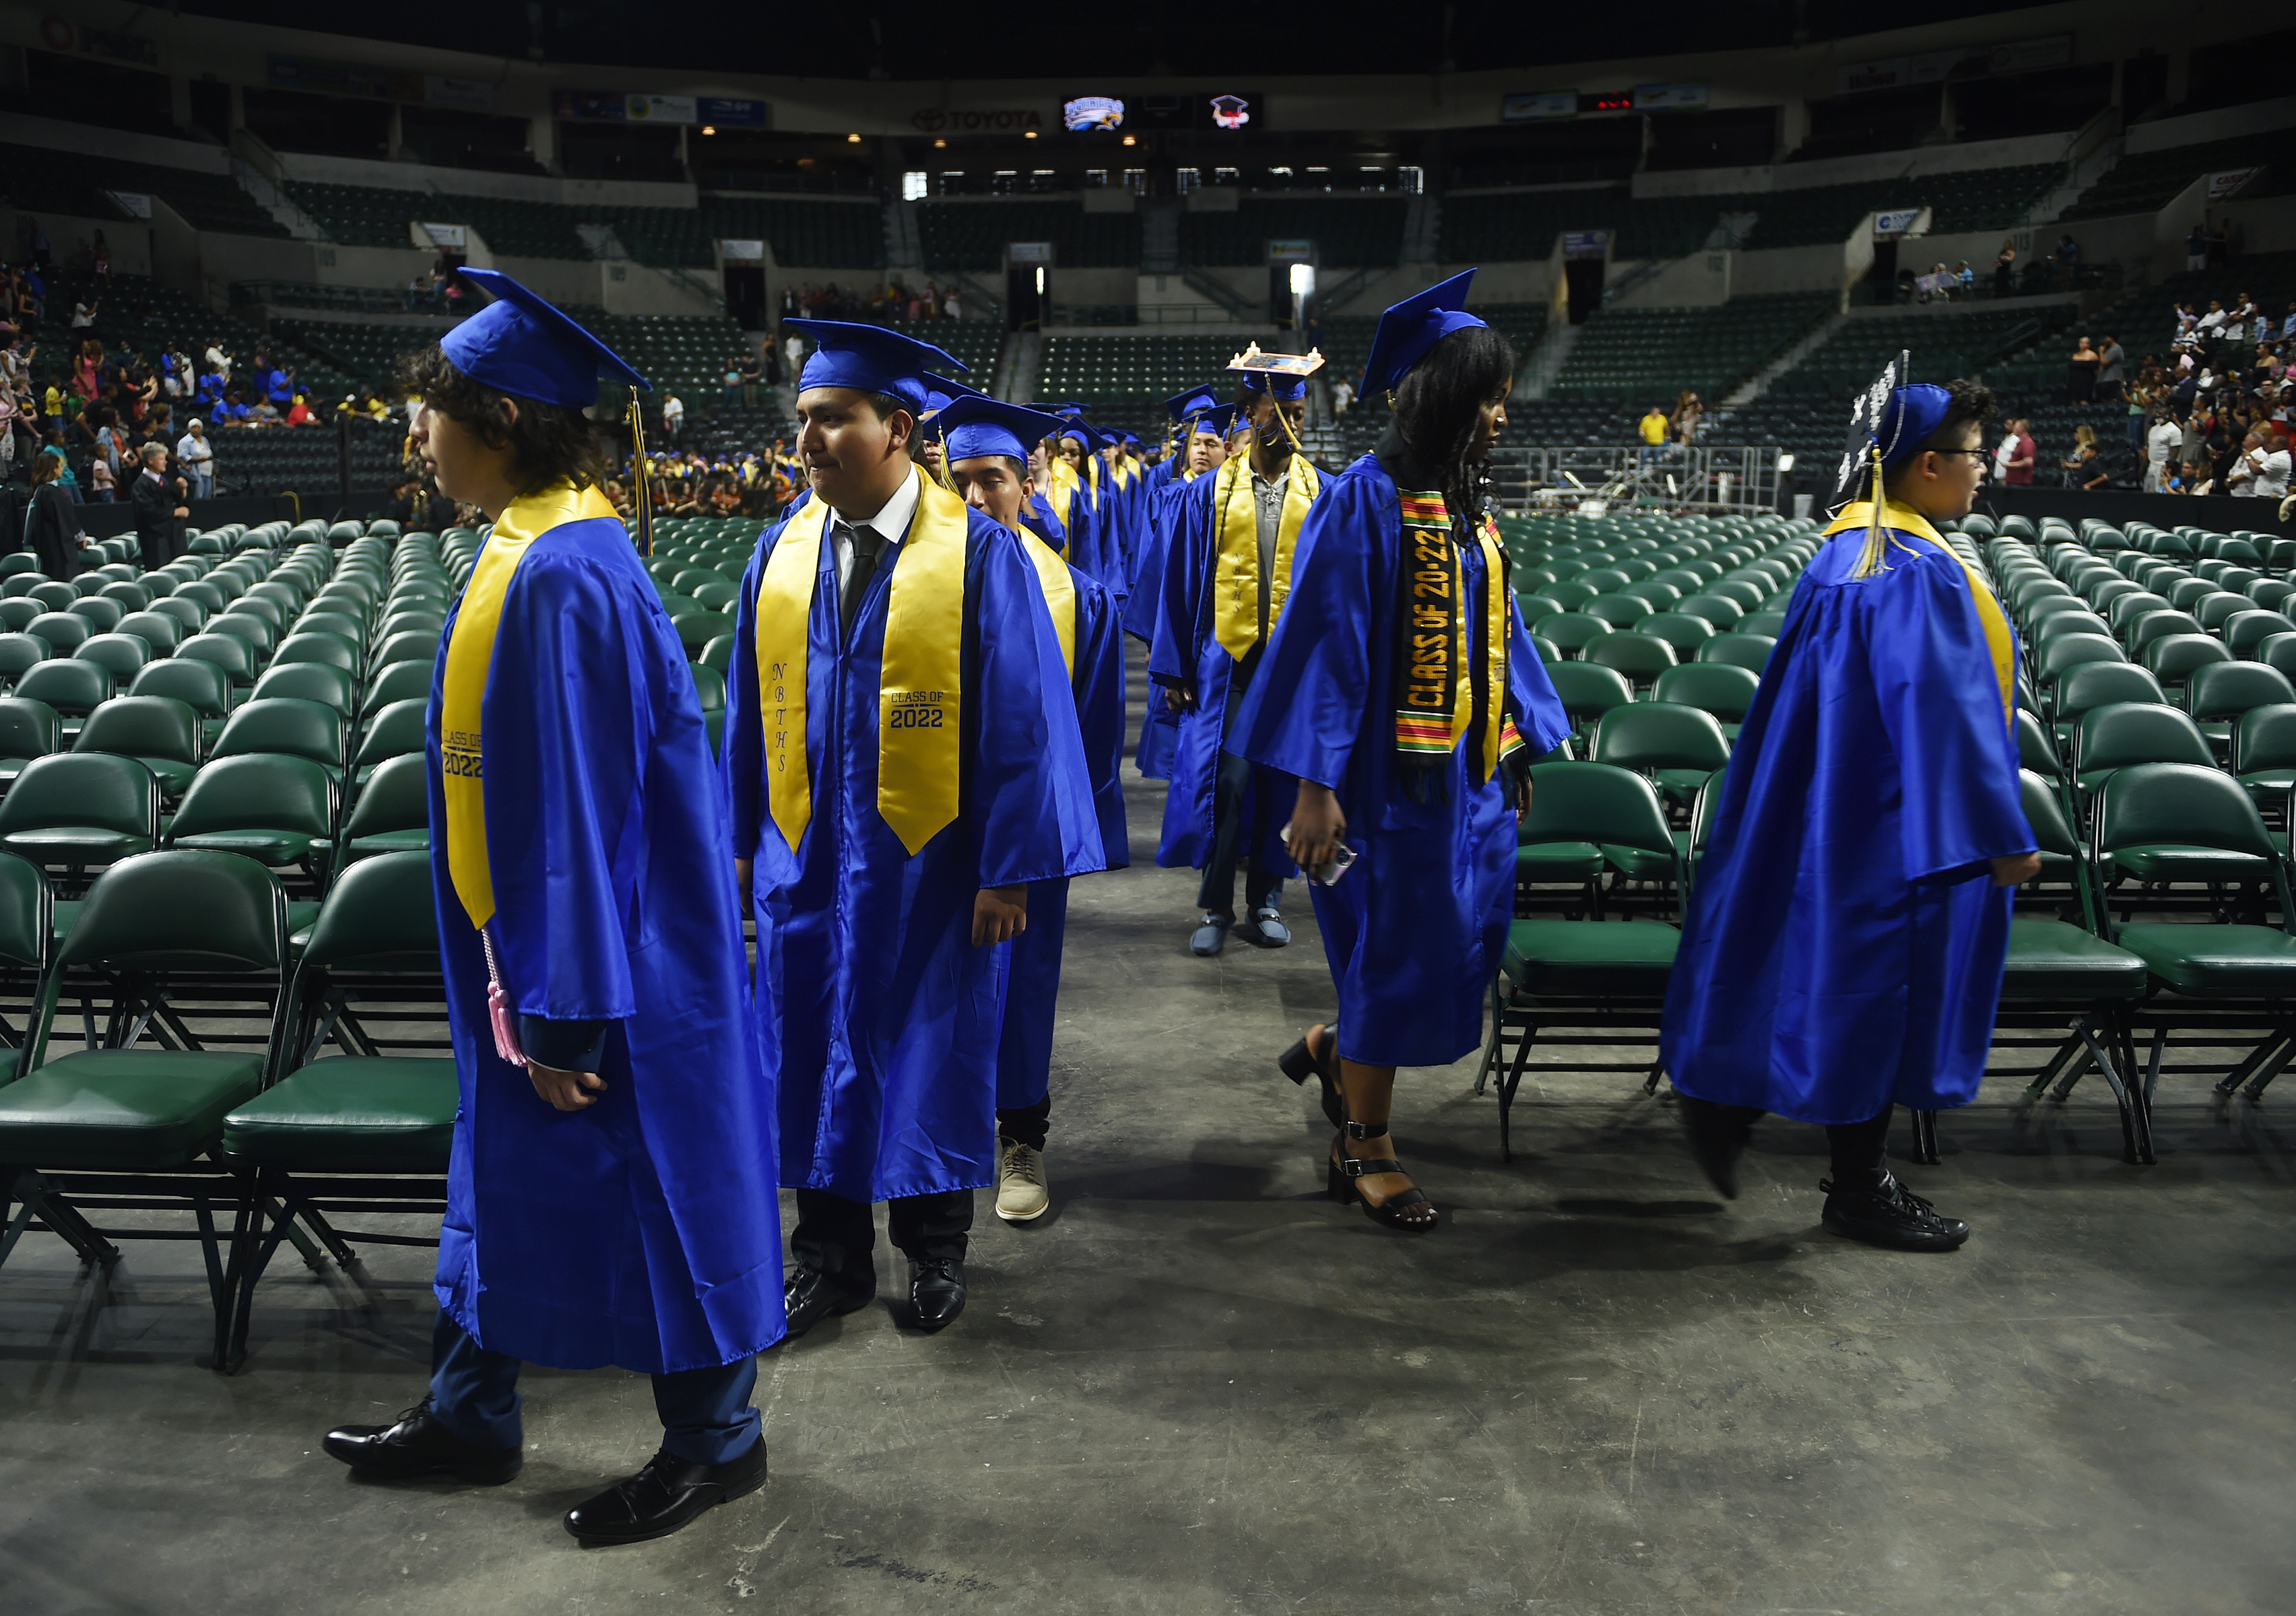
{"x":548,"y":443}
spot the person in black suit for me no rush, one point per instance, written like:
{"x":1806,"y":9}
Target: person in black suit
{"x":159,"y":517}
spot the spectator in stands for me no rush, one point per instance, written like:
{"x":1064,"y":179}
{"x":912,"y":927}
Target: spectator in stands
{"x":2068,"y":261}
{"x":2019,"y":472}
{"x":1343,"y":396}
{"x":2084,"y":468}
{"x":160,"y":509}
{"x":10,"y":410}
{"x":2162,"y":445}
{"x":2005,"y":269}
{"x":1689,"y":414}
{"x":732,"y":398}
{"x":2196,"y":249}
{"x":2112,"y":371}
{"x":1653,"y":428}
{"x":2261,"y":470}
{"x":673,"y":417}
{"x":299,"y":413}
{"x":2080,"y":379}
{"x":101,"y":483}
{"x":952,"y":305}
{"x":752,"y":377}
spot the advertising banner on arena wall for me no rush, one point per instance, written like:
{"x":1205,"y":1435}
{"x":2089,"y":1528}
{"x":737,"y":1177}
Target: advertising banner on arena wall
{"x":1530,"y":104}
{"x":463,"y":94}
{"x":663,"y":110}
{"x":1964,"y":61}
{"x":2230,"y":180}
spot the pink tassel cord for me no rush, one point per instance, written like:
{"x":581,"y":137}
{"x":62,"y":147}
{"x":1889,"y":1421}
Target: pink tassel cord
{"x":499,"y":1012}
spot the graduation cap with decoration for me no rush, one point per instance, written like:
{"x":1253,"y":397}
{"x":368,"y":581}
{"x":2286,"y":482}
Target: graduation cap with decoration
{"x":1889,"y":424}
{"x":1409,"y":330}
{"x":870,"y":359}
{"x":1278,"y":375}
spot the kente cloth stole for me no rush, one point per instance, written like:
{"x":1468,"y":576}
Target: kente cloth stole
{"x":1901,"y":518}
{"x":920,"y":698}
{"x":1433,"y":704}
{"x":469,"y":657}
{"x":1501,"y":739}
{"x":1235,"y":550}
{"x":1059,"y":593}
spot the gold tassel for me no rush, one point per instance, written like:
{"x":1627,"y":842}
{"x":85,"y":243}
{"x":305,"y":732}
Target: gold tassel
{"x":641,"y":481}
{"x":1871,"y":559}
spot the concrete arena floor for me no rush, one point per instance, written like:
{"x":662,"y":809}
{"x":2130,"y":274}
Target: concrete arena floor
{"x":1197,"y":1386}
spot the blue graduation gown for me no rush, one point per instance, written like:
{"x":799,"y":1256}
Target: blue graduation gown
{"x":1024,"y":1054}
{"x":643,"y":1231}
{"x":1184,"y":651}
{"x":1160,"y":726}
{"x":1844,"y":946}
{"x":875,"y":1011}
{"x":1414,"y":928}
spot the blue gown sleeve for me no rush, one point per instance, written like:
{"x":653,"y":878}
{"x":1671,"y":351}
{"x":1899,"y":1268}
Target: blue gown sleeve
{"x":1029,"y":790}
{"x":1941,"y":709}
{"x":568,"y":722}
{"x":1174,"y":650}
{"x":1099,"y":687}
{"x":1539,"y":717}
{"x":742,"y":754}
{"x":1306,"y":704}
{"x":1037,"y":515}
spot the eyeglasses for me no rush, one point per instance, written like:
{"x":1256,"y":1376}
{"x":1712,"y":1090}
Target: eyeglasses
{"x":1980,"y":455}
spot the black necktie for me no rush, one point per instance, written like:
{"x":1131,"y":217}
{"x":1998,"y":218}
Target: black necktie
{"x":866,"y":547}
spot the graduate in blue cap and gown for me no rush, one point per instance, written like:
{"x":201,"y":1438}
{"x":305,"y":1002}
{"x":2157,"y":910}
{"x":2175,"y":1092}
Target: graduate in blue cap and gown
{"x":1227,"y":573}
{"x":988,"y":464}
{"x":1402,"y":691}
{"x":1843,"y":949}
{"x":1200,"y":445}
{"x":609,"y":1200}
{"x":904,"y":762}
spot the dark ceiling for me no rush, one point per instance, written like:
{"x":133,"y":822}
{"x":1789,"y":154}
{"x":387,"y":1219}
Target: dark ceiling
{"x":1076,"y":44}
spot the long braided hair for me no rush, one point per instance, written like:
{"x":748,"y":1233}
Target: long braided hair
{"x":1437,"y":406}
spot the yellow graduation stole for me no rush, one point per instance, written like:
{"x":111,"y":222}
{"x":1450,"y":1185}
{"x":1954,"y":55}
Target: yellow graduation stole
{"x":1061,"y":494}
{"x":1235,"y":550}
{"x":1059,"y":593}
{"x":463,"y":691}
{"x":920,"y":698}
{"x":1905,"y":519}
{"x":1500,"y":736}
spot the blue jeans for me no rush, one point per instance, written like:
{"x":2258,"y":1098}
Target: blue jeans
{"x":202,"y":484}
{"x":706,"y":1417}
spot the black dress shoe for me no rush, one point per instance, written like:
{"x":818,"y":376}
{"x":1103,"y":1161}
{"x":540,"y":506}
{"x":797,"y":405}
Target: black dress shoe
{"x":810,"y":1295}
{"x":936,"y":1292}
{"x":1718,"y":1138}
{"x":1890,"y":1214}
{"x":418,"y":1445}
{"x":664,"y":1496}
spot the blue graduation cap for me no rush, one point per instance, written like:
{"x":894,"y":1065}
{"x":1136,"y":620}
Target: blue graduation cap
{"x":940,"y":392}
{"x":869,"y":359}
{"x":1408,"y":331}
{"x":1912,"y":416}
{"x":522,"y":345}
{"x":1196,"y":400}
{"x":1217,"y":421}
{"x":976,"y":424}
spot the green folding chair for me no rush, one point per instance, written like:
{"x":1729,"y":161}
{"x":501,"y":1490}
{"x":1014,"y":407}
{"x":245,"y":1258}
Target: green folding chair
{"x":1602,"y":978}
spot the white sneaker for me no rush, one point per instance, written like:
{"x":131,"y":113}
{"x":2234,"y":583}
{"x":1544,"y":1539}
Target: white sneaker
{"x":1021,"y":1193}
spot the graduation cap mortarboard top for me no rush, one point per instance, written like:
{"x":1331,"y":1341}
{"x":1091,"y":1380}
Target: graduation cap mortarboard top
{"x":522,"y":345}
{"x":1408,"y":332}
{"x":870,"y":359}
{"x":1282,"y":376}
{"x":1196,"y":400}
{"x":975,"y":425}
{"x":1217,"y":421}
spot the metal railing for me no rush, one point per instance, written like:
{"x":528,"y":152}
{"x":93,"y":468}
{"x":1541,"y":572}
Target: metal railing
{"x":1592,"y":479}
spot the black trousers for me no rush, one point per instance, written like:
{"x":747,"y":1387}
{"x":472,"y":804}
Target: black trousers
{"x":1860,"y":1150}
{"x":1234,"y":841}
{"x":837,"y":1236}
{"x":1026,"y":1125}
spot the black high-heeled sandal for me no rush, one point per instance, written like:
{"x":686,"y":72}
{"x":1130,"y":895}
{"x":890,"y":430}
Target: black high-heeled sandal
{"x":1342,"y":1173}
{"x":1299,"y":1063}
